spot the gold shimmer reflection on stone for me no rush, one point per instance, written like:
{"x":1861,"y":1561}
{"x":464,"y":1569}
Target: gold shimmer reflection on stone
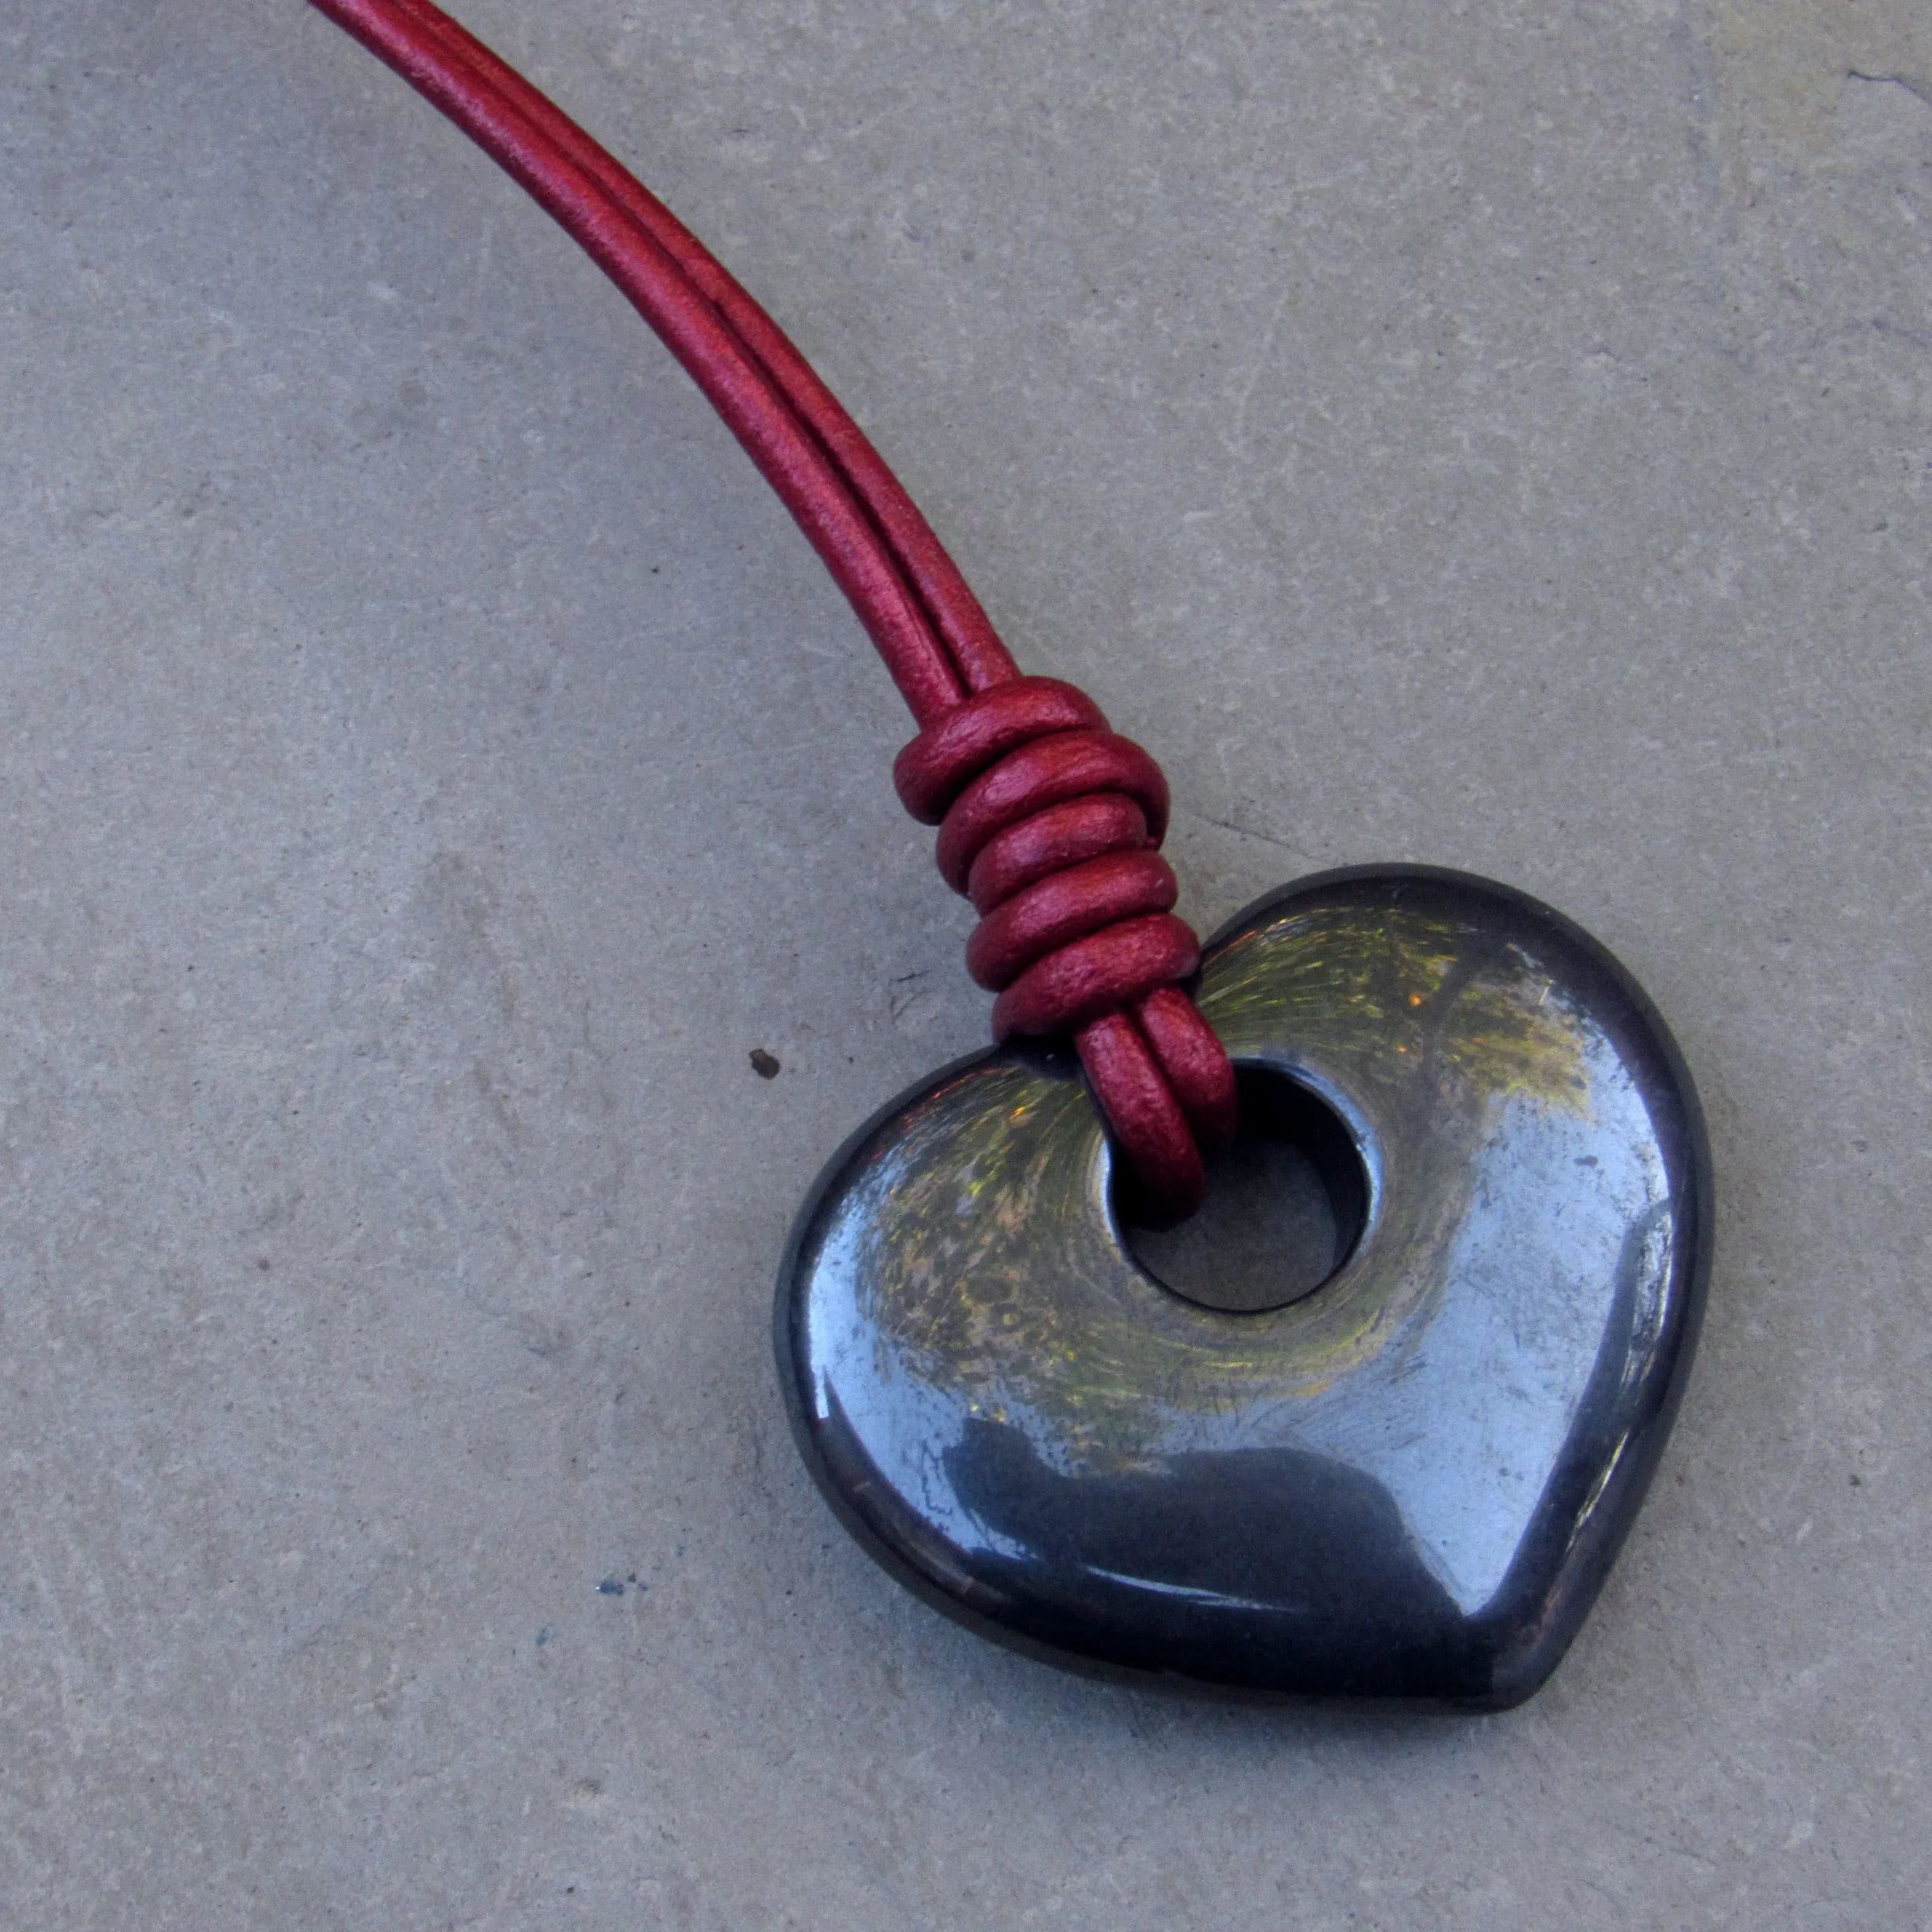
{"x":995,"y":1265}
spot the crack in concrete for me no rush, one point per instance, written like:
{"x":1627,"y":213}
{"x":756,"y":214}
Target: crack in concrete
{"x":1920,"y":90}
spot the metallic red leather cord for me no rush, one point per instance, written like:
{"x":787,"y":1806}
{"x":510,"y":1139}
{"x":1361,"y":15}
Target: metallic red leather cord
{"x":1048,"y":821}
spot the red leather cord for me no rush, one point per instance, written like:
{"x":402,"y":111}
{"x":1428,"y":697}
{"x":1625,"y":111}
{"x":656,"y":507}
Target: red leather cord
{"x":510,"y":121}
{"x":1194,"y":1062}
{"x":932,"y":771}
{"x":1048,"y":821}
{"x":1047,"y":771}
{"x":1053,"y":841}
{"x":1070,"y":905}
{"x":970,"y":640}
{"x":1145,"y":1116}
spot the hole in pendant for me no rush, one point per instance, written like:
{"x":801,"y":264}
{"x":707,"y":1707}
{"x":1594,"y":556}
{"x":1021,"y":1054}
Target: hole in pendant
{"x":1285,"y":1206}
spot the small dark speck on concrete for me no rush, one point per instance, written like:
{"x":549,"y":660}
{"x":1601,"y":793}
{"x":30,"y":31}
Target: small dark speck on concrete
{"x":610,"y":1587}
{"x":263,"y":1264}
{"x":543,"y":1636}
{"x":763,"y":1064}
{"x":1857,"y":1482}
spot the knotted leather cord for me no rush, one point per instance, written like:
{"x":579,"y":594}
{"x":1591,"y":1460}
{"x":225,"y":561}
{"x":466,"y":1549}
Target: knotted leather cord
{"x":1050,"y":822}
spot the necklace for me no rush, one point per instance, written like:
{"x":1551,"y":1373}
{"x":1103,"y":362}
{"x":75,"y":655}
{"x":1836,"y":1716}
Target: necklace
{"x":1400,"y":1471}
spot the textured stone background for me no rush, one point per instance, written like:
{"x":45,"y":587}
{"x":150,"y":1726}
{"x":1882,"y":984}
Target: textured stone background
{"x":1495,"y":434}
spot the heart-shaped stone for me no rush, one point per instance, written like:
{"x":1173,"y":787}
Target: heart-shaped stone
{"x":1408,"y":1484}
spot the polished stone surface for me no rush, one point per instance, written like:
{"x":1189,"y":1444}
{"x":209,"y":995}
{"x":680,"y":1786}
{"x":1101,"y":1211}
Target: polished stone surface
{"x":1408,"y":1483}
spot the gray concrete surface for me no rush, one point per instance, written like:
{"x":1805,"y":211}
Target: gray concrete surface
{"x":1495,"y":434}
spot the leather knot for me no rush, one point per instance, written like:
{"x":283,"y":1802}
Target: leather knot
{"x":1051,"y":823}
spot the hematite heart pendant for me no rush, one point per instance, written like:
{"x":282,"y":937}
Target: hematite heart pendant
{"x":1407,"y":1484}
